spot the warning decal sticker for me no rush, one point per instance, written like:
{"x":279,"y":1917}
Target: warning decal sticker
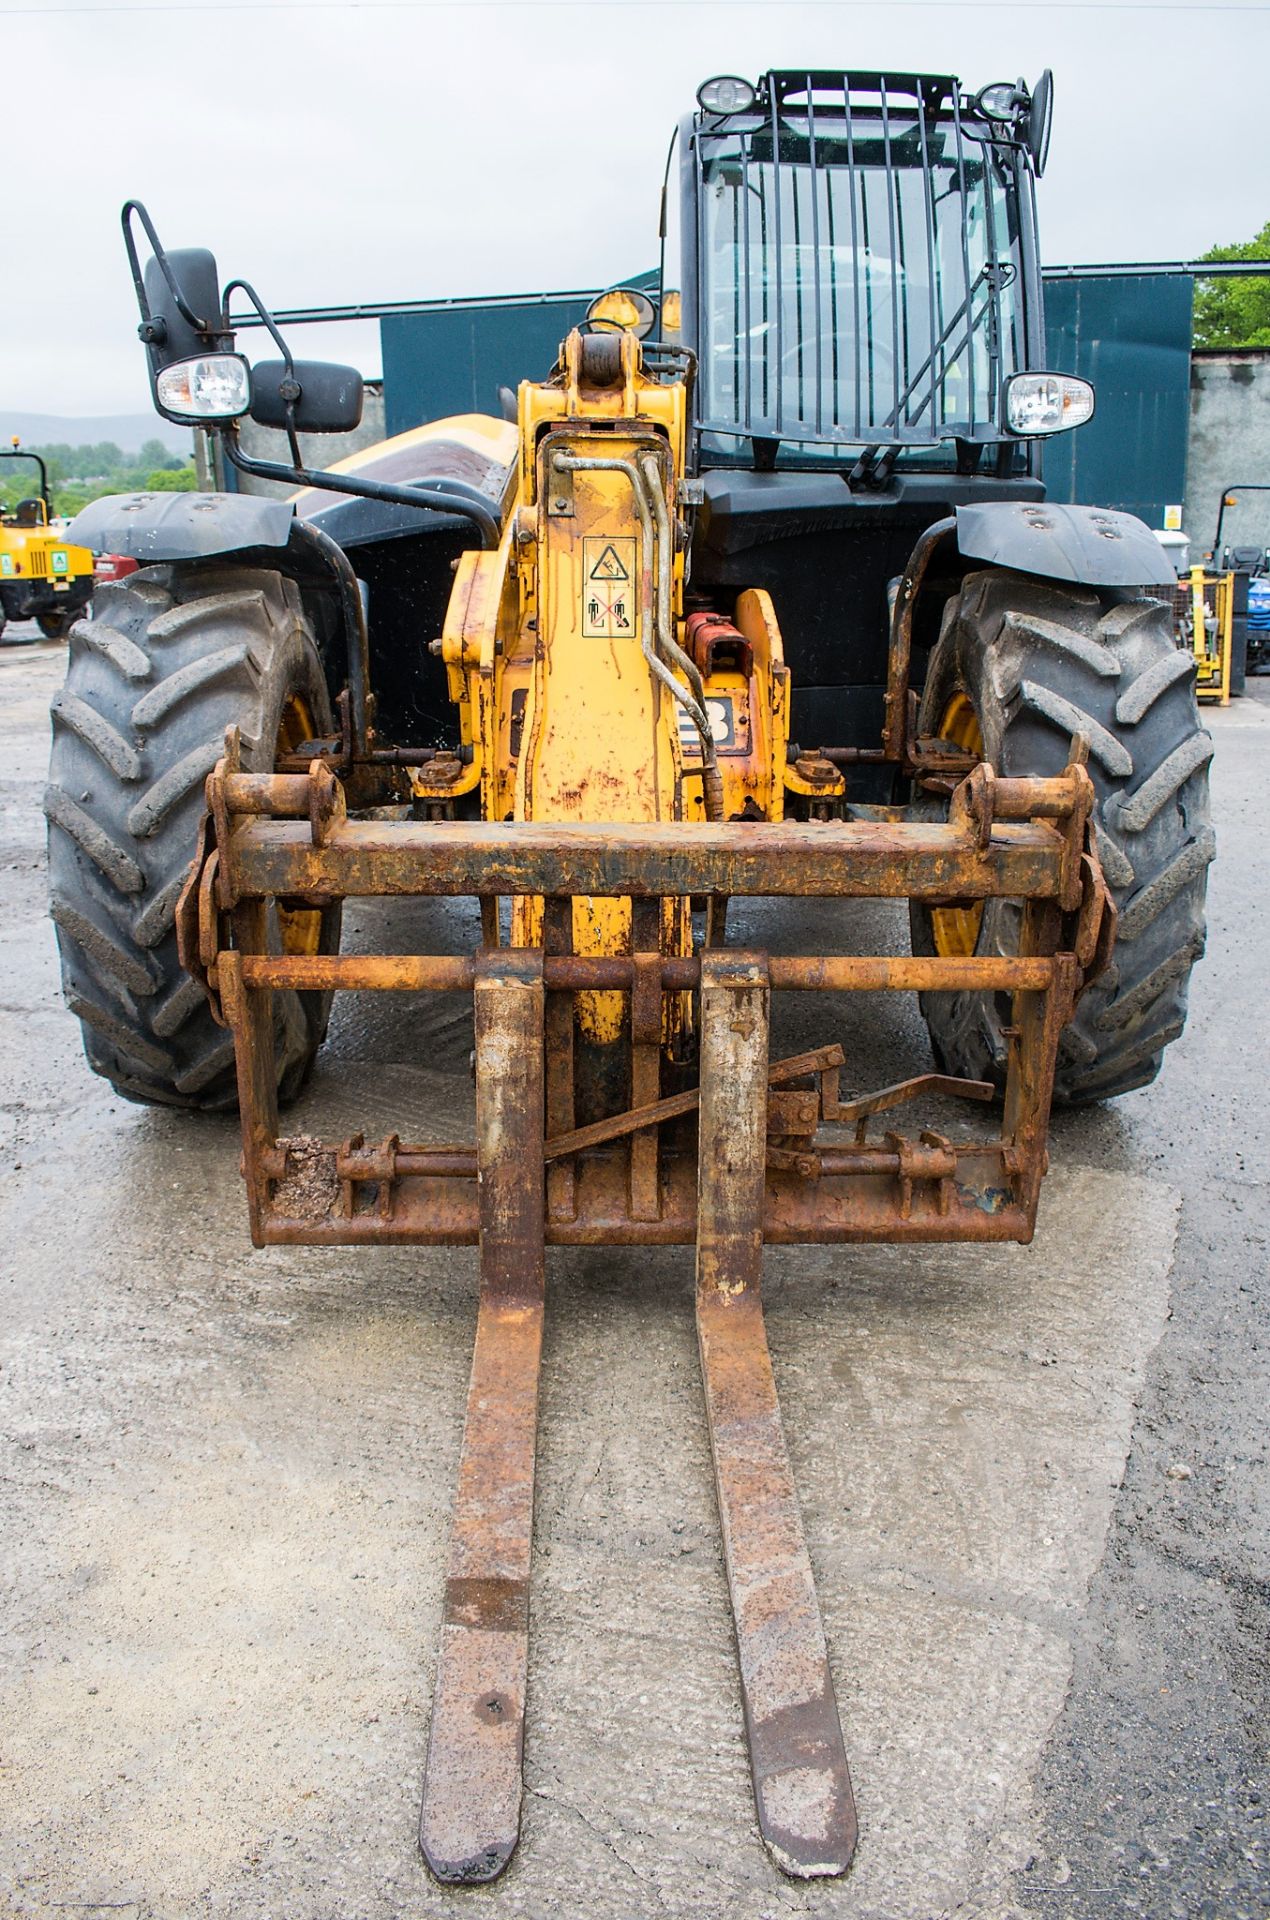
{"x":608,"y":588}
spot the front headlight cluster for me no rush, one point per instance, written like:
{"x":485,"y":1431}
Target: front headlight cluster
{"x":1038,"y":403}
{"x":216,"y":386}
{"x":726,"y":93}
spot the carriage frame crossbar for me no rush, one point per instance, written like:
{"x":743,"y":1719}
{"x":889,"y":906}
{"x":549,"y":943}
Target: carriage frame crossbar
{"x":633,"y":1179}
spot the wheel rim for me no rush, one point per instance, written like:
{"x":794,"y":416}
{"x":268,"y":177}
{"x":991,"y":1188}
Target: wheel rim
{"x":299,"y":928}
{"x":956,"y":929}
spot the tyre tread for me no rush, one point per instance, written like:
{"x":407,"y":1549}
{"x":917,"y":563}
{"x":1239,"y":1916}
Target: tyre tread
{"x":173,"y":656}
{"x":123,"y":654}
{"x":158,"y":703}
{"x":1154,"y":838}
{"x":97,"y":732}
{"x":1141,"y":694}
{"x":105,"y":853}
{"x":148,"y":814}
{"x":1136,"y":811}
{"x":1077,"y":723}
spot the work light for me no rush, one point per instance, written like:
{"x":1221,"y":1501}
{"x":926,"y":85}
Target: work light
{"x":725,"y":94}
{"x":217,"y":386}
{"x":1000,"y":101}
{"x":1047,"y":402}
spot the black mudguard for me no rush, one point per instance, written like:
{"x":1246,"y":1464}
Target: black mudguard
{"x":153,"y":527}
{"x":1091,"y":546}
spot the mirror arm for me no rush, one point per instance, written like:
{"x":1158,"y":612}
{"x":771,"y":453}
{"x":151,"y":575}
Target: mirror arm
{"x":262,"y":313}
{"x":134,"y":263}
{"x":456,"y":498}
{"x":187,"y":313}
{"x":288,"y":387}
{"x":293,"y":438}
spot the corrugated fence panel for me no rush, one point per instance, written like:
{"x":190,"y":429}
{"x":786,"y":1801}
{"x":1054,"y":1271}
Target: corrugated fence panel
{"x":1130,"y":335}
{"x":436,"y":364}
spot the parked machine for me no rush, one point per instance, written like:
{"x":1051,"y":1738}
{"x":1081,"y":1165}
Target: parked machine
{"x":43,"y":576}
{"x":776,"y":609}
{"x":1255,"y":562}
{"x":1204,"y":606}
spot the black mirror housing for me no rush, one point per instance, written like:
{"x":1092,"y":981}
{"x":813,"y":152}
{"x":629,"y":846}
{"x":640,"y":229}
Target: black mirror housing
{"x":168,"y":333}
{"x":330,"y":398}
{"x":1040,"y":120}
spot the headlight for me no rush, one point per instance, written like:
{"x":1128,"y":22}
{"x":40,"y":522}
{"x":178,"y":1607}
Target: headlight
{"x":216,"y":387}
{"x":725,"y":94}
{"x":1000,"y":101}
{"x":1047,"y":402}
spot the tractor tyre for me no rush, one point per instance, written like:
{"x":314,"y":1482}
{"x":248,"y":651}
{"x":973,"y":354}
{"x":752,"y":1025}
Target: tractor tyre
{"x":175,"y":655}
{"x":1021,"y":667}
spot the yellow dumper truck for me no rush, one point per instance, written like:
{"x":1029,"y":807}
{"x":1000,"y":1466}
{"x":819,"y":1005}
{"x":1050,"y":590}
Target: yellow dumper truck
{"x":42,"y":576}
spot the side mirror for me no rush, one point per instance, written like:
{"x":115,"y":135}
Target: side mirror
{"x":329,"y":398}
{"x":185,"y":312}
{"x":622,"y":310}
{"x":1039,"y":121}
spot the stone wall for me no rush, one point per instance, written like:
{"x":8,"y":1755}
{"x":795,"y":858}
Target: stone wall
{"x":1229,"y":443}
{"x":319,"y":449}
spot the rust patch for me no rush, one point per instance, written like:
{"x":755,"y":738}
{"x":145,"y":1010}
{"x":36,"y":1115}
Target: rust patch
{"x":309,"y":1189}
{"x":499,"y":1605}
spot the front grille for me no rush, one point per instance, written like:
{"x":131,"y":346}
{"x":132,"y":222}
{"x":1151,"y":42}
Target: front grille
{"x":37,"y":562}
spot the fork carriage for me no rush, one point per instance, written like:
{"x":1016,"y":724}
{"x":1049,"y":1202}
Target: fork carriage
{"x":631,"y":1178}
{"x":759,"y":1150}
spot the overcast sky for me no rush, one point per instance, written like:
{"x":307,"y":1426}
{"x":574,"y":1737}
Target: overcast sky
{"x":342,"y":152}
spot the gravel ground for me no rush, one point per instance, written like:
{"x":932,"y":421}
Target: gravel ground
{"x":1154,"y":1786}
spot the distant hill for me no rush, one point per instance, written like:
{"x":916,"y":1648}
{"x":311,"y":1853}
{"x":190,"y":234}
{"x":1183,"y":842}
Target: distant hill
{"x":128,"y":430}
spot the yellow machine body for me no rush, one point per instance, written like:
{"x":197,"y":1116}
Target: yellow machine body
{"x":614,"y":782}
{"x":1209,"y":608}
{"x":38,"y":556}
{"x":565,"y":646}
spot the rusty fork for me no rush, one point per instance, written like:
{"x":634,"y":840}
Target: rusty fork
{"x":470,"y":1819}
{"x":802,"y":1788}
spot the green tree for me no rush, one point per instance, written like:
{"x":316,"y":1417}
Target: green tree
{"x":155,"y":456}
{"x":19,"y":480}
{"x":105,"y":457}
{"x":79,"y":474}
{"x":11,"y":491}
{"x":169,"y":480}
{"x":1235,"y":312}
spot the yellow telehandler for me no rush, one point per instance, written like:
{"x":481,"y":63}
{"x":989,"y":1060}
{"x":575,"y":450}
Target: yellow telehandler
{"x":776,"y":608}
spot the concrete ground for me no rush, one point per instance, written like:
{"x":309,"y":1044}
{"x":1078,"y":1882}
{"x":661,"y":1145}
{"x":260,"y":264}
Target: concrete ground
{"x":1034,"y":1485}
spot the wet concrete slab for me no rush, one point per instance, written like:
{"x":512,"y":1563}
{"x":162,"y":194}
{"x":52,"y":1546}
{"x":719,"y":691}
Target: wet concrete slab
{"x":228,"y":1475}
